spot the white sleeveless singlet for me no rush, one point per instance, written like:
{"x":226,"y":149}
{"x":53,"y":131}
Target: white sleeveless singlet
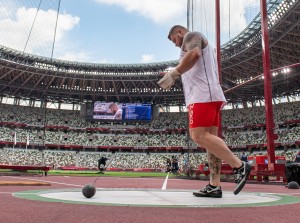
{"x":201,"y":83}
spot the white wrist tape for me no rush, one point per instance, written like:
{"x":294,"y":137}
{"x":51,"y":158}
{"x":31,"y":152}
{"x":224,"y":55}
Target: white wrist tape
{"x":175,"y":74}
{"x":169,"y":79}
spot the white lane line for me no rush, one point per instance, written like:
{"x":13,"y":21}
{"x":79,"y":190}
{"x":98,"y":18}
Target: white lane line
{"x":164,"y":187}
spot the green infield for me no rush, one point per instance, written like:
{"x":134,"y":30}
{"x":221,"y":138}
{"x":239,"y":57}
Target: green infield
{"x":89,"y":173}
{"x":108,"y":173}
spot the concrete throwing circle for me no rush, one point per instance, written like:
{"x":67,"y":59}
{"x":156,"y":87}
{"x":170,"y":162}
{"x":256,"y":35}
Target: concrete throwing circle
{"x":156,"y":198}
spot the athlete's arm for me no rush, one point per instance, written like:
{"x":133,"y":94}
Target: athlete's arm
{"x":192,"y":44}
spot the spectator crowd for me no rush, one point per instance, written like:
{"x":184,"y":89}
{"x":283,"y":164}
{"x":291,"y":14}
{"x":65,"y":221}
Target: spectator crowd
{"x":36,"y":126}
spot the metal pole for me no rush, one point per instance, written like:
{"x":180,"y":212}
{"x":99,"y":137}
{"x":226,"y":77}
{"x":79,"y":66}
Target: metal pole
{"x":218,"y":48}
{"x":267,"y":84}
{"x":45,"y":122}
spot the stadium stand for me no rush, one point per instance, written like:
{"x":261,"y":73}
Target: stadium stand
{"x":71,"y":142}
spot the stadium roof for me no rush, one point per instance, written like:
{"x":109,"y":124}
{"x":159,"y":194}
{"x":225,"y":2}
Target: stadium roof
{"x":31,"y":76}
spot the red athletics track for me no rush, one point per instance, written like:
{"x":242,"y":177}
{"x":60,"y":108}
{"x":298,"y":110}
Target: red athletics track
{"x":17,"y":210}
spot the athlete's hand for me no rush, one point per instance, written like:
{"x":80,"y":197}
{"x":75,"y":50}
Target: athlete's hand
{"x":169,"y":79}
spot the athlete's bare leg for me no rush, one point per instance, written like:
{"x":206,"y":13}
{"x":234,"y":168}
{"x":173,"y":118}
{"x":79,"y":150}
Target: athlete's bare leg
{"x":214,"y":145}
{"x":214,"y":163}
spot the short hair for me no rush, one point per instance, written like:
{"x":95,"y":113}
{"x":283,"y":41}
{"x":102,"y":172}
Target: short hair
{"x":175,"y":28}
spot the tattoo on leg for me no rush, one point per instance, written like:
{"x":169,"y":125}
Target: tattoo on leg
{"x":215,"y":168}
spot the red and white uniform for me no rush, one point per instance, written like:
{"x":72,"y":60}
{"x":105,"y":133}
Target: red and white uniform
{"x":201,"y":83}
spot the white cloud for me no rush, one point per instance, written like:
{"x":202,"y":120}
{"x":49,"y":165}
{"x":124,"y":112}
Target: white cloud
{"x":103,"y":60}
{"x":4,"y":13}
{"x":232,"y":17}
{"x":233,"y":21}
{"x":159,"y":11}
{"x":75,"y":56}
{"x":15,"y":29}
{"x":67,"y":51}
{"x":148,"y":58}
{"x":15,"y":25}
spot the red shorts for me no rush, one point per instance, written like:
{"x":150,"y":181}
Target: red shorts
{"x":204,"y":114}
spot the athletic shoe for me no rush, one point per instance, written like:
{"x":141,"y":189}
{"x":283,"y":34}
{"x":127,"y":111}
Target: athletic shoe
{"x":241,"y":175}
{"x":208,"y":191}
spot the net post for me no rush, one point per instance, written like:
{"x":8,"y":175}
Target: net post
{"x":218,"y":52}
{"x":267,"y":85}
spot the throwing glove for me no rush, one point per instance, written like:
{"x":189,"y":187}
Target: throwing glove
{"x":169,"y":79}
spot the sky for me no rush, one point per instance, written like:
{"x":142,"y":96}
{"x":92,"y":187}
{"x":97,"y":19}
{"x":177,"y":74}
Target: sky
{"x":105,"y":31}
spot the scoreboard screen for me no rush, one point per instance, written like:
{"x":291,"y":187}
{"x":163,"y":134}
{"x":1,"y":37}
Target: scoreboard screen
{"x":122,"y":111}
